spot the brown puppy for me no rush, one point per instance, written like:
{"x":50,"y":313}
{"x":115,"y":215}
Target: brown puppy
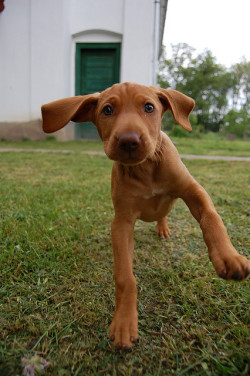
{"x":147,"y":178}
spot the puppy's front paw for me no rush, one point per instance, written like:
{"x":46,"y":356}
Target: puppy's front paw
{"x":231,"y":265}
{"x":124,"y":330}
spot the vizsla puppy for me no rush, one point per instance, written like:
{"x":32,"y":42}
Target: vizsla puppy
{"x":148,"y":176}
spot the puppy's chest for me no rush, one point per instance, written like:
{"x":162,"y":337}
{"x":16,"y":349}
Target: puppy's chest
{"x":148,"y":191}
{"x":152,"y":202}
{"x":147,"y":184}
{"x":153,"y":193}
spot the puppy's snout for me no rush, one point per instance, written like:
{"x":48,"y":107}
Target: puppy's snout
{"x":129,"y":142}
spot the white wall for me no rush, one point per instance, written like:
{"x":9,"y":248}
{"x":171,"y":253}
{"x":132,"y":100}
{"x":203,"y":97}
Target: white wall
{"x":97,"y":14}
{"x":15,"y":62}
{"x":37,"y":47}
{"x":137,"y":50}
{"x":32,"y":60}
{"x":50,"y":42}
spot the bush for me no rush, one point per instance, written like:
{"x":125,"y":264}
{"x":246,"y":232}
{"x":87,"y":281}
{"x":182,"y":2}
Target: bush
{"x":237,"y":123}
{"x":175,"y":130}
{"x":178,"y":131}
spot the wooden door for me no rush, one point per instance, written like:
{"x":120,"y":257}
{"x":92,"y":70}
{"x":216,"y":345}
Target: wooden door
{"x":97,"y":68}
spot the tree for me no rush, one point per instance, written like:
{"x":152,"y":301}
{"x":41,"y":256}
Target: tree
{"x":241,"y":89}
{"x":201,"y":78}
{"x":237,"y":123}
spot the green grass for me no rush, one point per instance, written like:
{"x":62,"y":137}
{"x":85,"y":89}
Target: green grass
{"x":212,"y":144}
{"x":53,"y":144}
{"x":209,"y":144}
{"x":57,"y":289}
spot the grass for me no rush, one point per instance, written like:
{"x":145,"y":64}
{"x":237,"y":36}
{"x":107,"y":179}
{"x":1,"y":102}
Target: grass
{"x":57,"y":289}
{"x":53,"y":144}
{"x":212,"y":144}
{"x":208,"y":144}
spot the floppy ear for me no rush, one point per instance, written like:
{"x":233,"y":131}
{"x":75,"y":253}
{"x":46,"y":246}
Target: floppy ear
{"x":55,"y":115}
{"x":179,"y":104}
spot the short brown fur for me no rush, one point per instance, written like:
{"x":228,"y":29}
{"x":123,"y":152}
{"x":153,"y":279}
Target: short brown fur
{"x":148,"y":176}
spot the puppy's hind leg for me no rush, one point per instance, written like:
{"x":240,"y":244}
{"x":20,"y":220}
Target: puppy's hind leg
{"x":162,"y":229}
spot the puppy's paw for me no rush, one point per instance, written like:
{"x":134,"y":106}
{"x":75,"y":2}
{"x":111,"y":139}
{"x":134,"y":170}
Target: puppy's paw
{"x":162,"y":229}
{"x":124,"y":330}
{"x":231,"y":265}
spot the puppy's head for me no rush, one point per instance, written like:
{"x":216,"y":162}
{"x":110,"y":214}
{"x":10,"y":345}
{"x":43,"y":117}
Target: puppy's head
{"x":127,"y":117}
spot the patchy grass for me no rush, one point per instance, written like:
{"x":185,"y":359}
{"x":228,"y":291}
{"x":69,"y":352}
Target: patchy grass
{"x":57,"y":290}
{"x":212,"y":144}
{"x":208,"y":144}
{"x":53,"y":144}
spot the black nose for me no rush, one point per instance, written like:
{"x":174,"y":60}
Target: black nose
{"x":129,"y":142}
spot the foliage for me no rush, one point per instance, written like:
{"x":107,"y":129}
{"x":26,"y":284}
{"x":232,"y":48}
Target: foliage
{"x":209,"y":83}
{"x":241,"y":89}
{"x":57,"y":289}
{"x":237,"y":123}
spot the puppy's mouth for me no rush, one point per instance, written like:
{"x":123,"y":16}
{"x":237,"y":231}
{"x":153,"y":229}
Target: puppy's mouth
{"x":127,"y":159}
{"x":130,"y":160}
{"x":129,"y":149}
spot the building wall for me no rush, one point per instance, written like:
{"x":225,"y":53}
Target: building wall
{"x":138,"y":31}
{"x":32,"y":57}
{"x":37,"y":47}
{"x":14,"y":63}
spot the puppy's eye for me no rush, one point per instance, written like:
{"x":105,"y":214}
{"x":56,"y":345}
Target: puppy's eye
{"x":107,"y":111}
{"x":149,"y":108}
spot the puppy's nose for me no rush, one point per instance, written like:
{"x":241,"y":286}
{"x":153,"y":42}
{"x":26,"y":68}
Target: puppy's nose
{"x":129,"y":142}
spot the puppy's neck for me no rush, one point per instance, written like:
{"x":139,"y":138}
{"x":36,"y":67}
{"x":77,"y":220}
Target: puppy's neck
{"x":159,"y":150}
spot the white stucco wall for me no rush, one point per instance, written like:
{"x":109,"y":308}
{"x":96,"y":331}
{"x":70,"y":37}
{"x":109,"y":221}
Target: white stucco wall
{"x":14,"y":63}
{"x":37,"y":47}
{"x":138,"y":31}
{"x":32,"y":57}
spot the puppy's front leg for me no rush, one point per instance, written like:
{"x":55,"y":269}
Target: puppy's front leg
{"x":124,"y":326}
{"x":228,"y":263}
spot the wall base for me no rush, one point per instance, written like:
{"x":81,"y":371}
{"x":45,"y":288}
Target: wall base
{"x":16,"y":131}
{"x":32,"y":130}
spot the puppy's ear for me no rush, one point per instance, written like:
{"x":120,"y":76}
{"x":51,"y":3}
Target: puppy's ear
{"x":179,"y":104}
{"x":55,"y":115}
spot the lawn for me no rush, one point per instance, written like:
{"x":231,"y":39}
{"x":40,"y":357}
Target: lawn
{"x":208,"y":144}
{"x":57,"y":289}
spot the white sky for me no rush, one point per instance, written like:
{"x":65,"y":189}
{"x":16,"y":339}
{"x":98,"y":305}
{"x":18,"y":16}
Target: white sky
{"x":222,"y":26}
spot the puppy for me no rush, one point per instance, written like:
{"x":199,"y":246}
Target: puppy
{"x":148,"y":177}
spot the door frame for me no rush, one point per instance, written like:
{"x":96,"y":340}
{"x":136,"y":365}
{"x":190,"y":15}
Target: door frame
{"x":80,"y":46}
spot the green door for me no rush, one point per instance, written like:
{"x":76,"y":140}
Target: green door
{"x":97,"y":67}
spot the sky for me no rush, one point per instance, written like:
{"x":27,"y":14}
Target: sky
{"x":222,"y":26}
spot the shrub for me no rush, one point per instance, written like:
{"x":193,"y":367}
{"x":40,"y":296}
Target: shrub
{"x":237,"y":123}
